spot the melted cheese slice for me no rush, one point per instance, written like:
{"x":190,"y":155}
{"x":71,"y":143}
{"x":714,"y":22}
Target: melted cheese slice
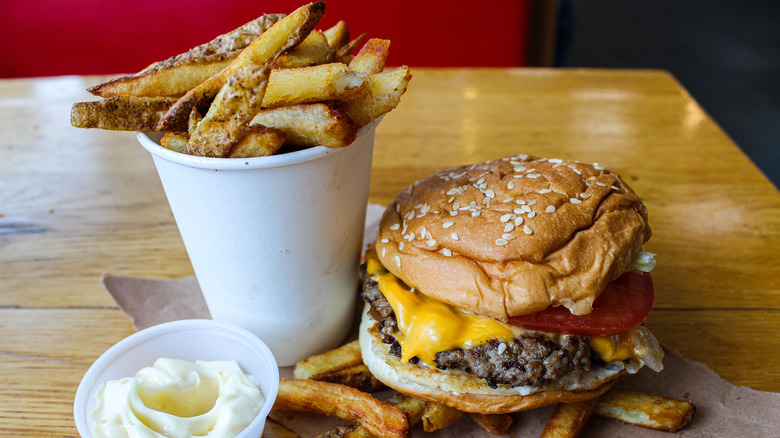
{"x":430,"y":326}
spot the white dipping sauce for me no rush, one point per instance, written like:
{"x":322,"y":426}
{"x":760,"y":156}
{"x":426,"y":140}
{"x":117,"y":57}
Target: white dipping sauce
{"x":178,"y":399}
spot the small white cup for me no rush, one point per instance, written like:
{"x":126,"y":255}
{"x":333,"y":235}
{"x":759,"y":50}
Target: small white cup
{"x":274,"y":241}
{"x":191,"y":340}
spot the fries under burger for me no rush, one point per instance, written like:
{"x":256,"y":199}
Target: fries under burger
{"x":510,"y":285}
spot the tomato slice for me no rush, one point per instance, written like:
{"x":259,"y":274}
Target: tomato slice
{"x":623,"y":305}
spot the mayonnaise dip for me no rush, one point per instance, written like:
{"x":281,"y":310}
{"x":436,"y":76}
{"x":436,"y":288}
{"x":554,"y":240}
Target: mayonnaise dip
{"x":178,"y":399}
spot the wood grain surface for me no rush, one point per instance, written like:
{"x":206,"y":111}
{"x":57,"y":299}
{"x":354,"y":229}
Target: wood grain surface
{"x":75,"y":204}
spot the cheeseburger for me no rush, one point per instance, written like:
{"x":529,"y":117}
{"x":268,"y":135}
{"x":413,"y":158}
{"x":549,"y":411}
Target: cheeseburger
{"x":509,"y":285}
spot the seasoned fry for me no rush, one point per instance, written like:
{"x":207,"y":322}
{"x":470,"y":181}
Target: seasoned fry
{"x":348,"y":48}
{"x":286,"y":33}
{"x":379,"y":418}
{"x":385,"y":89}
{"x":646,"y":410}
{"x":175,"y":141}
{"x":371,"y":57}
{"x":259,"y":141}
{"x":414,"y":407}
{"x":121,"y":113}
{"x":495,"y":424}
{"x":345,"y":356}
{"x":313,"y":50}
{"x":177,"y":75}
{"x":227,"y":120}
{"x":337,"y":35}
{"x":315,"y":83}
{"x":568,"y":419}
{"x":310,"y":125}
{"x":437,"y":416}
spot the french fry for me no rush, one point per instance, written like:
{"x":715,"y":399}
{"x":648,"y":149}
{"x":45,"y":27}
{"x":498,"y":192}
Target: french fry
{"x":313,"y":50}
{"x":437,"y":416}
{"x":284,"y":34}
{"x":413,"y":407}
{"x":348,"y":48}
{"x":175,"y":141}
{"x":358,"y":377}
{"x":259,"y":141}
{"x":310,"y":125}
{"x":227,"y":121}
{"x":568,"y":419}
{"x":334,"y":400}
{"x":646,"y":410}
{"x":345,"y":356}
{"x":385,"y":90}
{"x":121,"y":113}
{"x":337,"y":35}
{"x":495,"y":424}
{"x":315,"y":83}
{"x":371,"y":57}
{"x":177,"y":75}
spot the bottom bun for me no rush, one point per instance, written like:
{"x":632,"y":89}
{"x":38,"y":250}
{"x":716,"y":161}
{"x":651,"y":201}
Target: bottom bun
{"x":469,"y":393}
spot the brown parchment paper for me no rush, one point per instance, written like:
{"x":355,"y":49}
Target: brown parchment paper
{"x":723,"y":409}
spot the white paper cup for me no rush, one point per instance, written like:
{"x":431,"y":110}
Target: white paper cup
{"x":274,"y":241}
{"x":191,"y":340}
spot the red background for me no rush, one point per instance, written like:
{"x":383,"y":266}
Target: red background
{"x":57,"y":37}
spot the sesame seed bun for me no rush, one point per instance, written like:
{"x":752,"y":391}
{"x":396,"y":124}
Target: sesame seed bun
{"x":469,"y":393}
{"x":514,"y":236}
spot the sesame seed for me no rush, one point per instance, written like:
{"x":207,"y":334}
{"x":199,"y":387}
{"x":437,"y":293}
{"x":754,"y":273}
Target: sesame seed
{"x":447,"y":225}
{"x":527,"y":230}
{"x":395,"y":226}
{"x":480,"y":181}
{"x":509,"y":227}
{"x":409,"y":215}
{"x":418,"y":206}
{"x":510,"y":185}
{"x":518,"y":221}
{"x":490,"y":193}
{"x":385,"y":240}
{"x":384,"y":251}
{"x":508,"y":236}
{"x":555,"y":160}
{"x":599,"y":183}
{"x":431,"y":242}
{"x":506,"y":218}
{"x":576,"y":171}
{"x":502,"y":242}
{"x":526,"y":208}
{"x":518,"y":211}
{"x":518,"y":176}
{"x":597,"y":167}
{"x":543,"y":191}
{"x":486,"y":200}
{"x":425,"y":208}
{"x":531,"y":214}
{"x":456,"y":206}
{"x":420,"y":215}
{"x":534,"y":175}
{"x":451,"y":199}
{"x":397,"y":208}
{"x":475,"y":213}
{"x":520,"y":202}
{"x":401,"y":246}
{"x":446,"y":252}
{"x":398,"y":261}
{"x":454,"y":213}
{"x":501,"y":348}
{"x":575,"y":201}
{"x":452,"y":191}
{"x":409,"y":237}
{"x":549,"y":209}
{"x":532,"y":202}
{"x":454,"y":236}
{"x":422,"y":232}
{"x":615,"y":188}
{"x":584,"y":195}
{"x":519,"y":168}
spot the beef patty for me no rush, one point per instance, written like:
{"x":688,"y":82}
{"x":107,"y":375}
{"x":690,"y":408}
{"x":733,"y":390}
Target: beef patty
{"x":525,"y":361}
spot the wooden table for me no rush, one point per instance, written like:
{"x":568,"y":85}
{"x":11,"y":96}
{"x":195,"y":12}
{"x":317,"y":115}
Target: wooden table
{"x":75,"y":204}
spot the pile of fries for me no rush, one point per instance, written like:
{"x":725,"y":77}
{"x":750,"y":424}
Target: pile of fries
{"x":273,"y":82}
{"x":337,"y":383}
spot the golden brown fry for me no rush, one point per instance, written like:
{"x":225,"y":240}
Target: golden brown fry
{"x":379,"y":418}
{"x":315,"y":83}
{"x":286,"y":33}
{"x":313,"y":50}
{"x":437,"y":416}
{"x":121,"y":113}
{"x":345,"y":356}
{"x":568,"y":419}
{"x":358,"y":377}
{"x":259,"y":141}
{"x":227,"y":121}
{"x":311,"y":125}
{"x":275,"y":430}
{"x":348,"y":48}
{"x":175,"y":141}
{"x":194,"y":121}
{"x":337,"y":35}
{"x":371,"y":57}
{"x":413,"y":407}
{"x":646,"y":410}
{"x":495,"y":424}
{"x":385,"y":93}
{"x":177,"y":75}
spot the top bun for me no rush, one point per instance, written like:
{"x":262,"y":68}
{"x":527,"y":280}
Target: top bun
{"x":514,"y":236}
